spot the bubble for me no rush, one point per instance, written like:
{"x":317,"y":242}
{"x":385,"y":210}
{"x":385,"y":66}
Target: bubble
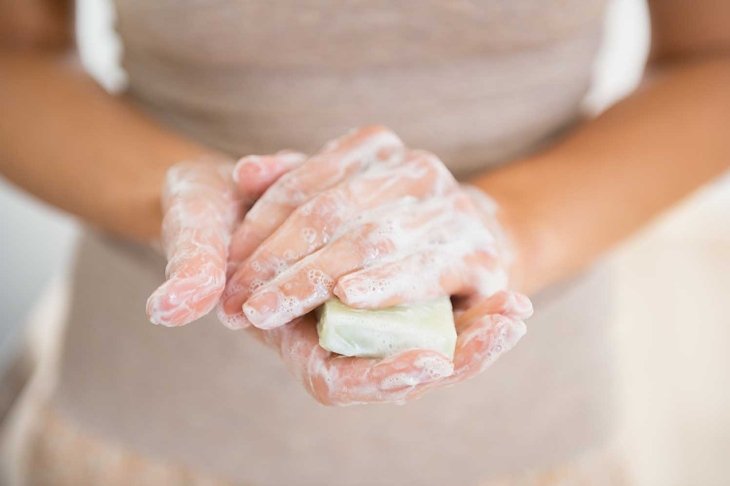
{"x":231,"y":321}
{"x":309,"y":234}
{"x":281,"y":265}
{"x":289,"y":306}
{"x":434,"y":367}
{"x":306,"y":209}
{"x":320,"y":279}
{"x":328,"y":379}
{"x":255,"y":285}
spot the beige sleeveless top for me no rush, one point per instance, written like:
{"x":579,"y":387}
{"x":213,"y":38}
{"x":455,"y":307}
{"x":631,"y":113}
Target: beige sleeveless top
{"x":478,"y":82}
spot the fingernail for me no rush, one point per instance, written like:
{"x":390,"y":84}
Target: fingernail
{"x":521,"y":306}
{"x":152,"y":310}
{"x":262,"y":309}
{"x":160,"y":307}
{"x":349,"y":292}
{"x":248,"y":172}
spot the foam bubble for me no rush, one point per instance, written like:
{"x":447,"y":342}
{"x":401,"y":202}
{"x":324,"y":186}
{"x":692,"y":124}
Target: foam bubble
{"x":309,"y":234}
{"x":255,"y":285}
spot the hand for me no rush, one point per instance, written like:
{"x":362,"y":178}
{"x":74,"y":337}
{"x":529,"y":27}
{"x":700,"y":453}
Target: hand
{"x":488,"y":329}
{"x":395,"y":232}
{"x":335,"y":163}
{"x":202,"y":200}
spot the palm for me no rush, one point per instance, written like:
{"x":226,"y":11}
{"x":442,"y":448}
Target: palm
{"x":487,"y":329}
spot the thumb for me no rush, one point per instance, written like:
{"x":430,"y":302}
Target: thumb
{"x":254,"y":174}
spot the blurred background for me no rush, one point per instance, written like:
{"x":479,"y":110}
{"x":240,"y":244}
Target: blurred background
{"x":674,"y":282}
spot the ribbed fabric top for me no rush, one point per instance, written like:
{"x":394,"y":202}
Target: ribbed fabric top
{"x":473,"y":81}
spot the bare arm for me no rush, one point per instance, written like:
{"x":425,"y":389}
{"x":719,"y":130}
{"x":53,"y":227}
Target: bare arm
{"x":570,"y":203}
{"x":68,"y":142}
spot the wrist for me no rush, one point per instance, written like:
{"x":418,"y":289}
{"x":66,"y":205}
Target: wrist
{"x":141,"y":195}
{"x":521,"y":237}
{"x":526,"y":237}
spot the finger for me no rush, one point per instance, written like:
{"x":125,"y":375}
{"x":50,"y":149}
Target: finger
{"x":313,"y":224}
{"x":391,"y":231}
{"x":479,"y":345}
{"x":309,"y":282}
{"x":254,"y":174}
{"x":483,"y":340}
{"x":337,"y":161}
{"x":454,"y":255}
{"x":339,"y":380}
{"x":489,"y":329}
{"x":200,"y":208}
{"x":508,"y":303}
{"x":477,"y":349}
{"x":395,"y":229}
{"x":346,"y":381}
{"x":291,"y":242}
{"x":418,"y":277}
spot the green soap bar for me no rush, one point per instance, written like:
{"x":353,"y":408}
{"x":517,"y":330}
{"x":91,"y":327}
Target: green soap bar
{"x":380,"y":333}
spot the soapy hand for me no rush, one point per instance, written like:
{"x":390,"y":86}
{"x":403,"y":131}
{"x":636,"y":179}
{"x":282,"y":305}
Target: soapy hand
{"x":338,"y":160}
{"x":488,"y":328}
{"x":393,"y":228}
{"x":202,"y":201}
{"x":396,"y":231}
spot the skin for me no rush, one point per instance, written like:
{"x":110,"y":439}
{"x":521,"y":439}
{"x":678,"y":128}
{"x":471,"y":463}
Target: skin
{"x":485,"y":332}
{"x":202,"y":203}
{"x":561,"y":208}
{"x":572,"y":202}
{"x":338,"y":223}
{"x":361,"y":232}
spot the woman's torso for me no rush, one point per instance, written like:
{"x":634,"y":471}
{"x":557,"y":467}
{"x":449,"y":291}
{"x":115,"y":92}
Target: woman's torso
{"x":474,"y":81}
{"x":477,"y":82}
